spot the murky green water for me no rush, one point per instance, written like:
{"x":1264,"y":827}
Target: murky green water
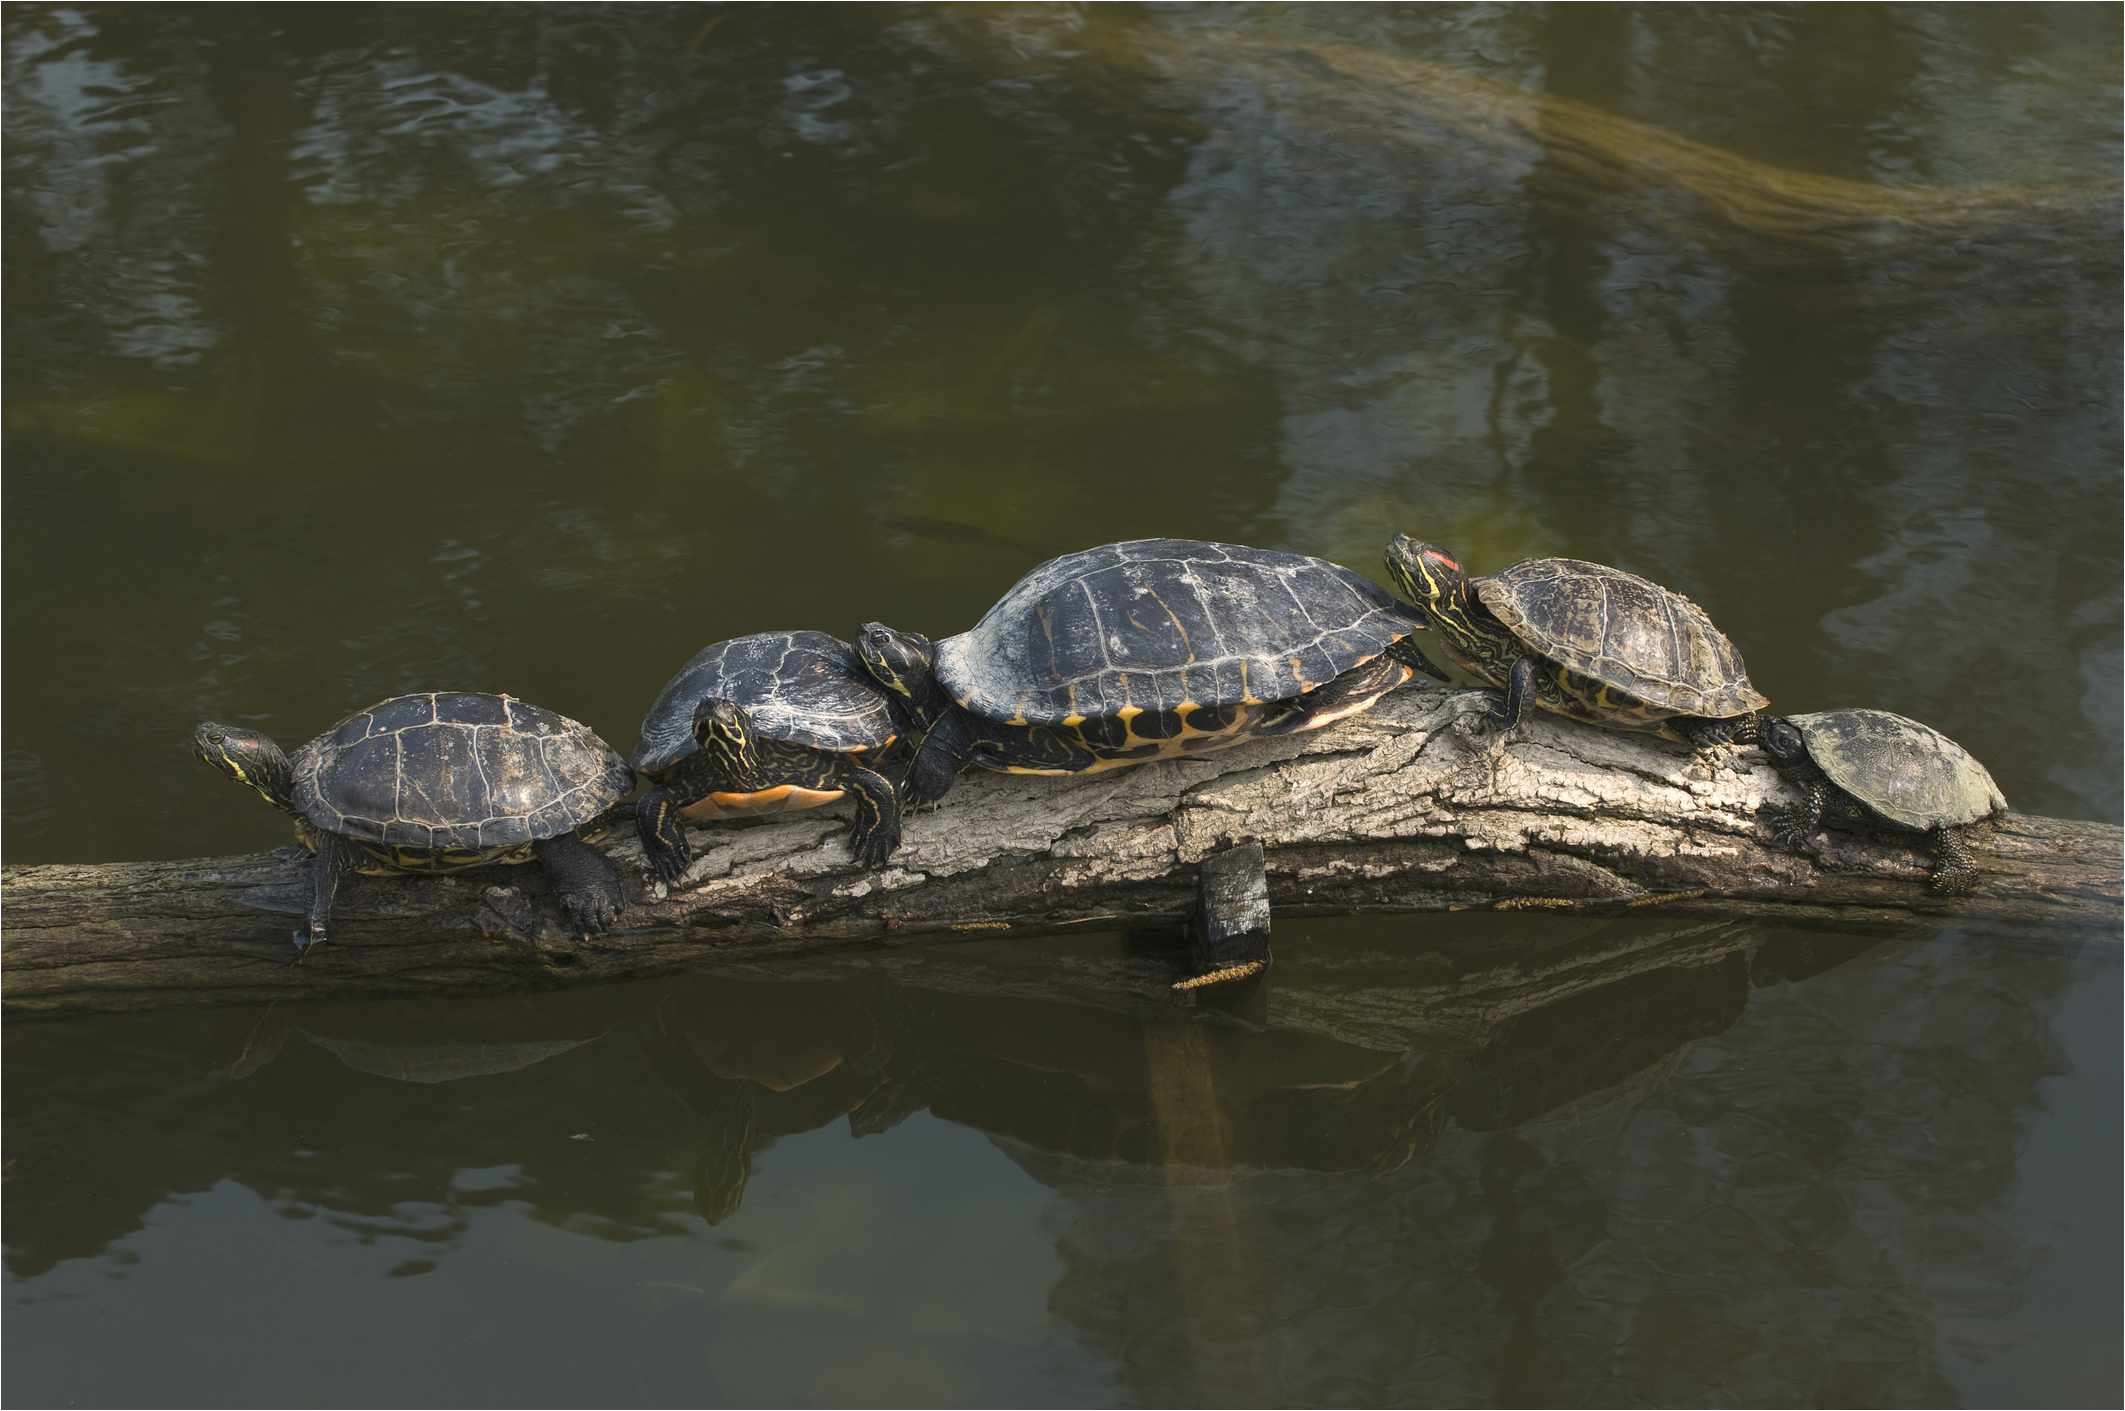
{"x":348,"y":352}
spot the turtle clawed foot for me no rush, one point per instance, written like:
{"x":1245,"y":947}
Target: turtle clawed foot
{"x":872,"y":849}
{"x":307,"y":940}
{"x":1722,"y":759}
{"x":670,"y":867}
{"x":593,"y":909}
{"x":1484,"y":724}
{"x":1486,"y":734}
{"x":1789,"y":831}
{"x":925,"y":787}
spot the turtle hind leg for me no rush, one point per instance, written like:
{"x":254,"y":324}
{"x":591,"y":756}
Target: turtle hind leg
{"x":1703,"y":735}
{"x":1354,"y":691}
{"x":583,"y":881}
{"x":336,"y":861}
{"x":1954,"y":870}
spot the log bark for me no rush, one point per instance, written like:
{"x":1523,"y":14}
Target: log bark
{"x":1395,"y":811}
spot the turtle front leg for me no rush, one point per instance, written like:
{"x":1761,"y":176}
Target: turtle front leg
{"x":336,"y":861}
{"x":1954,"y":870}
{"x":876,"y":832}
{"x":1512,"y":704}
{"x":1354,"y":691}
{"x":943,"y":753}
{"x":583,"y":881}
{"x":663,"y":834}
{"x":1793,"y":827}
{"x":1412,"y":656}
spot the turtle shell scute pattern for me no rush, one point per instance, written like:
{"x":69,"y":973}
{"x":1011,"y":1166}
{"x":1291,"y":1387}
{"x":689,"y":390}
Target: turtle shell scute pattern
{"x":1152,"y":624}
{"x":1621,"y":630}
{"x":1904,"y":770}
{"x":457,"y":771}
{"x":802,"y":688}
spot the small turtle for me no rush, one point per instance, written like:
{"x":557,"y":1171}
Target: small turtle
{"x":1145,"y":650}
{"x":1874,"y":771}
{"x":768,"y":723}
{"x":439,"y":782}
{"x":1584,"y":640}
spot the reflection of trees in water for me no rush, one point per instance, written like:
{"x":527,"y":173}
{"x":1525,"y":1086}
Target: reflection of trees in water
{"x":1621,"y":1164}
{"x":358,"y":1109}
{"x":1470,"y":272}
{"x":1788,"y":1207}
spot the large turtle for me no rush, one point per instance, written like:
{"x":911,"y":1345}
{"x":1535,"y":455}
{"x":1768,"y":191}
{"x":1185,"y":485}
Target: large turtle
{"x":438,"y":782}
{"x":767,"y":723}
{"x":1586,"y":641}
{"x":1875,"y":771}
{"x":1142,"y":650}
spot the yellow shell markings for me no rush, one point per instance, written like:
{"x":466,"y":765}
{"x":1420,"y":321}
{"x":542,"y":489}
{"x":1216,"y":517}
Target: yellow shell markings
{"x":1185,"y":642}
{"x":1187,"y":744}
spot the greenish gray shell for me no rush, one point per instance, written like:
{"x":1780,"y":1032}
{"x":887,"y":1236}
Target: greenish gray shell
{"x":1625,"y":632}
{"x":1156,"y":623}
{"x":456,"y":770}
{"x":1904,"y":770}
{"x":803,"y":688}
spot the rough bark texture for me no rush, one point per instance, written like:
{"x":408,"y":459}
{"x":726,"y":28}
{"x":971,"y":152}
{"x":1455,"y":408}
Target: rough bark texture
{"x":1398,"y":810}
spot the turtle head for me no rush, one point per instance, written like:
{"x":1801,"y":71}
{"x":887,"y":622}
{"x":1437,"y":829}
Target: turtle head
{"x":1432,"y":579}
{"x":1781,"y":740}
{"x":250,"y":758}
{"x":1427,"y":575}
{"x":898,"y":661}
{"x":725,"y":734}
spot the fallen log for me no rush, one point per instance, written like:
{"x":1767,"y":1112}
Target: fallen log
{"x":1397,"y":810}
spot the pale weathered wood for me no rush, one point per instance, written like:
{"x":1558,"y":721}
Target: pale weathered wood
{"x":1394,"y":811}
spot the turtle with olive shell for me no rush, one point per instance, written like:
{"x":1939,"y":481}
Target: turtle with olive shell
{"x":1876,"y":771}
{"x":1586,"y":641}
{"x":1145,"y":650}
{"x":439,"y":781}
{"x":768,"y":723}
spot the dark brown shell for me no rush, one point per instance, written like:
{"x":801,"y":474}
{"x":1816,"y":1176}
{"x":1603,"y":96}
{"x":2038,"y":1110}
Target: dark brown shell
{"x":1625,"y":632}
{"x":456,"y":770}
{"x":803,"y":688}
{"x":1906,"y":771}
{"x":1154,"y":623}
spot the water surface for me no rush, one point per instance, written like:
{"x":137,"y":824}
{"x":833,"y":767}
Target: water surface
{"x":353,"y":352}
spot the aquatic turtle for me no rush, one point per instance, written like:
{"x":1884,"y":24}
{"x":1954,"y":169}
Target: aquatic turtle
{"x":438,"y":782}
{"x":1586,"y":641}
{"x":768,"y":723}
{"x":1876,"y":771}
{"x":1144,"y":650}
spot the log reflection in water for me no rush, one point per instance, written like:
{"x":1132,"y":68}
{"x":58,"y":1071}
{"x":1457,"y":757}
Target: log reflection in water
{"x":1355,"y":1061}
